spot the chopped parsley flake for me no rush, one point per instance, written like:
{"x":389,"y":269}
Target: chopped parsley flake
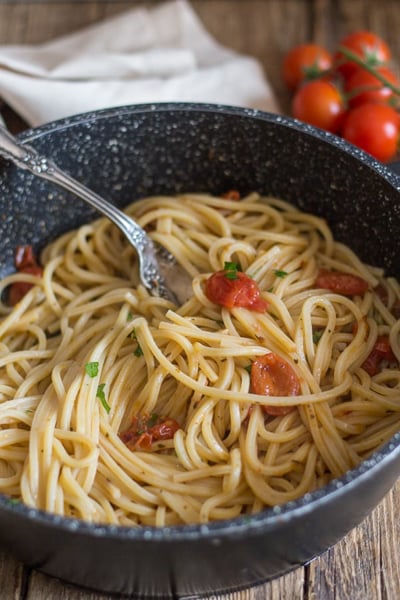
{"x":280,"y":273}
{"x":152,"y":420}
{"x":92,"y":369}
{"x":138,"y":351}
{"x":248,"y":368}
{"x":231,"y":270}
{"x":101,"y":396}
{"x":129,"y":316}
{"x":316,"y":336}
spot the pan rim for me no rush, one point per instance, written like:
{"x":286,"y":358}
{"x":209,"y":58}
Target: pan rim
{"x":366,"y":159}
{"x":269,"y":518}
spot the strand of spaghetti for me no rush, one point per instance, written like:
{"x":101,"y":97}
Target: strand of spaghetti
{"x":335,"y":392}
{"x":271,"y":496}
{"x":145,"y":472}
{"x":181,"y":325}
{"x":12,"y":316}
{"x":25,"y":354}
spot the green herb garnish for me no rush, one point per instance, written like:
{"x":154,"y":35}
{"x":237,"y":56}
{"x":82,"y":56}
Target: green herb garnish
{"x":280,"y":273}
{"x":248,"y":368}
{"x":152,"y":420}
{"x":92,"y":369}
{"x":138,"y":352}
{"x":129,"y":316}
{"x":231,"y":270}
{"x":101,"y":396}
{"x":317,"y":335}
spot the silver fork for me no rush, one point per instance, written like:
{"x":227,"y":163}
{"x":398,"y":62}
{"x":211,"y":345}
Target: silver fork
{"x":159,"y":270}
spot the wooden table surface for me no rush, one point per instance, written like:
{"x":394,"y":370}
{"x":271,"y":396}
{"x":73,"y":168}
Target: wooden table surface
{"x":365,"y":565}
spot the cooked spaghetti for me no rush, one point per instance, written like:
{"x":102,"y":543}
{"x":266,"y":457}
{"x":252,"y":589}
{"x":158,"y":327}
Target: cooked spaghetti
{"x":119,"y":407}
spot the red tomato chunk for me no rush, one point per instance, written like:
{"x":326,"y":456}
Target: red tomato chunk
{"x":241,"y":291}
{"x":147,"y":429}
{"x":231,"y":195}
{"x":25,"y":262}
{"x":341,"y":283}
{"x":381,"y":352}
{"x":271,"y":375}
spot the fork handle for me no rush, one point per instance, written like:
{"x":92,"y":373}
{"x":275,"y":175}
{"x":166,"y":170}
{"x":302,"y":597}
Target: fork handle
{"x":26,"y":157}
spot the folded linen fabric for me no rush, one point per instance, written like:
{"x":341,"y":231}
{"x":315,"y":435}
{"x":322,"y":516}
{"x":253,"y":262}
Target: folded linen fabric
{"x":143,"y":55}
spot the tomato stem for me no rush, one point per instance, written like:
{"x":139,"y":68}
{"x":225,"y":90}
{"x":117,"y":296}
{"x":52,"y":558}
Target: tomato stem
{"x":359,"y":61}
{"x":360,"y":90}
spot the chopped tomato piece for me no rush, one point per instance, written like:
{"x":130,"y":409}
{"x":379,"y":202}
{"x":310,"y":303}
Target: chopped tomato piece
{"x":231,"y":195}
{"x":143,"y":442}
{"x":271,"y":375}
{"x":382,"y":294}
{"x":18,"y":289}
{"x":230,"y":291}
{"x":381,"y":352}
{"x":164,"y":430}
{"x":24,"y":257}
{"x":145,"y":430}
{"x":341,"y":283}
{"x":25,"y":262}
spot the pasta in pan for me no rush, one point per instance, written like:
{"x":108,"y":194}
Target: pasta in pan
{"x":119,"y":407}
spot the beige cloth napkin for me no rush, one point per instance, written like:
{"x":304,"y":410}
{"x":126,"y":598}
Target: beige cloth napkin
{"x":143,"y":55}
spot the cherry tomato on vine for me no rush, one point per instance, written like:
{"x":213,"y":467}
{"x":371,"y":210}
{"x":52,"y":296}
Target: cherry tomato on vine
{"x":319,"y":103}
{"x":367,"y":45}
{"x":363,"y":86}
{"x":303,"y":62}
{"x":374,"y":128}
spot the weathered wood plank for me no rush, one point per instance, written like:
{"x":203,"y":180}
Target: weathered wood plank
{"x":365,"y":564}
{"x":381,"y":17}
{"x":264,"y":29}
{"x":387,"y":516}
{"x":42,"y":587}
{"x":11,"y":577}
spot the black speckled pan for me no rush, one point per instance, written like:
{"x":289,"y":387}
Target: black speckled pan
{"x":129,"y":152}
